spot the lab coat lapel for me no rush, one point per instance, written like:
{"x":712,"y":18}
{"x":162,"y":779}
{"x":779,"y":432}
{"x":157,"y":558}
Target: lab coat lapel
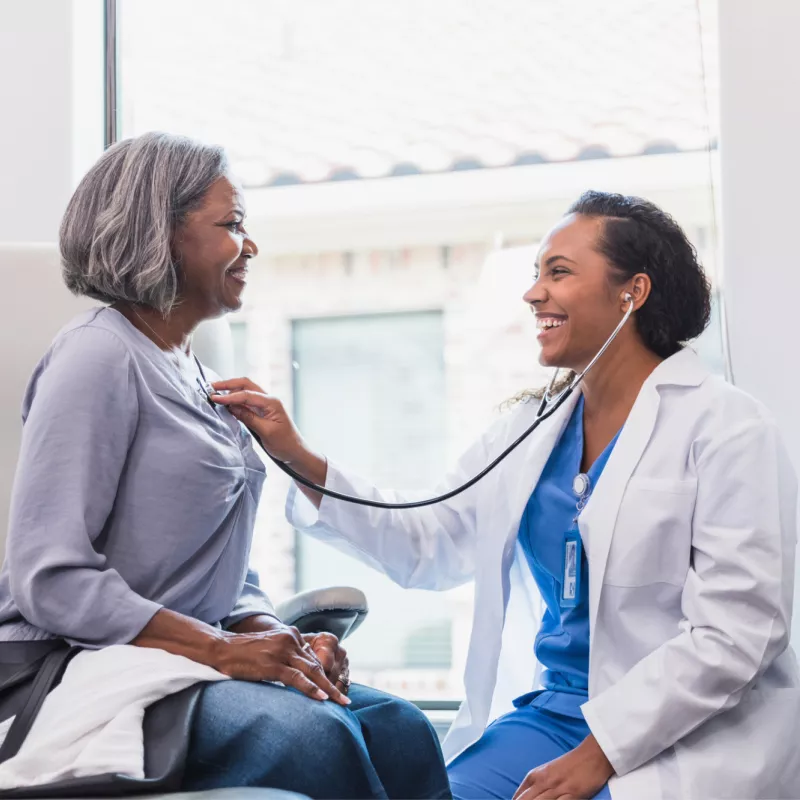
{"x":600,"y":516}
{"x":532,"y":463}
{"x":496,"y":553}
{"x":599,"y":519}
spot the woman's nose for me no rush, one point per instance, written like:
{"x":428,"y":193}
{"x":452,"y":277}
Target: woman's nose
{"x":535,"y":294}
{"x":249,"y":247}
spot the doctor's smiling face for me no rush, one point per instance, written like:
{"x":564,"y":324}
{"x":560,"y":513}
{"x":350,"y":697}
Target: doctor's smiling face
{"x":576,"y":297}
{"x":609,"y":245}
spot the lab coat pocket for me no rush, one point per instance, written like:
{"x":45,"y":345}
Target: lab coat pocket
{"x":653,"y":533}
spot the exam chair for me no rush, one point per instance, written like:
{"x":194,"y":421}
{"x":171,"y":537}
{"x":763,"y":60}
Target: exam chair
{"x":38,"y":305}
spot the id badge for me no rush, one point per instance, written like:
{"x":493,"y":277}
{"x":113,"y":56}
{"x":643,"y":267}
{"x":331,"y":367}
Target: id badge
{"x":571,"y":575}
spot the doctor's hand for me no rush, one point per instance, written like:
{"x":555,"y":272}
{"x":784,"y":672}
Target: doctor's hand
{"x":267,"y":418}
{"x":333,"y":658}
{"x":577,"y":775}
{"x":264,"y":414}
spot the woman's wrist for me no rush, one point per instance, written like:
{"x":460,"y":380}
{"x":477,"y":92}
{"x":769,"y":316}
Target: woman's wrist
{"x":257,"y":623}
{"x":182,"y":636}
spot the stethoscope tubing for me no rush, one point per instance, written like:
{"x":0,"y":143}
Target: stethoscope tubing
{"x":562,"y":398}
{"x":542,"y":413}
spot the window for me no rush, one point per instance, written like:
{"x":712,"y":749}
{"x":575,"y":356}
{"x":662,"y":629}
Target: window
{"x":401,"y":163}
{"x":370,"y":392}
{"x":241,"y":356}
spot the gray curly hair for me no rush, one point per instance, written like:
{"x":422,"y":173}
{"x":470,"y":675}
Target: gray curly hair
{"x":116,"y":234}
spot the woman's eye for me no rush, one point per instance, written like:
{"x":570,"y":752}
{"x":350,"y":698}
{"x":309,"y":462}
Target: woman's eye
{"x":559,"y":271}
{"x":235,"y":225}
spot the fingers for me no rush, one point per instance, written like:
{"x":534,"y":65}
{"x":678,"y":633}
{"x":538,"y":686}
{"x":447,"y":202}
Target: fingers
{"x":548,"y":795}
{"x":236,"y":384}
{"x":278,"y":655}
{"x":245,"y":397}
{"x":333,"y":658}
{"x":313,"y":672}
{"x":525,"y":788}
{"x":296,"y":679}
{"x":242,"y":413}
{"x":537,"y":786}
{"x":341,"y":667}
{"x":343,"y":681}
{"x":326,"y":649}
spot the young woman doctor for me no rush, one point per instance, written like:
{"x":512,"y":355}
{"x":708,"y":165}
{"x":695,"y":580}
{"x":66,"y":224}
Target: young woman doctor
{"x":664,"y":662}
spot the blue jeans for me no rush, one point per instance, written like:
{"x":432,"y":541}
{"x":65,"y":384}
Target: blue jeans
{"x":513,"y":745}
{"x":259,"y":734}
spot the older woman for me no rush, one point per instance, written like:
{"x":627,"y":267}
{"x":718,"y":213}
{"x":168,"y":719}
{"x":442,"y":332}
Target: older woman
{"x":134,"y":500}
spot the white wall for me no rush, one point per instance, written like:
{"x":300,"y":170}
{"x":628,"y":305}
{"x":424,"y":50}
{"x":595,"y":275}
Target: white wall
{"x":760,"y":166}
{"x":51,"y":130}
{"x":51,"y":96}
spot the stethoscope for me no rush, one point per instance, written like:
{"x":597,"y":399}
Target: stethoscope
{"x":548,"y":406}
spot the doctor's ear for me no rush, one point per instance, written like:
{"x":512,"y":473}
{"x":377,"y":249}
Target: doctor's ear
{"x":638,"y":290}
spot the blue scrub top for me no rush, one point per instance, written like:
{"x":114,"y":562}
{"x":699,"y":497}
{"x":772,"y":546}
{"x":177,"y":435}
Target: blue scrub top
{"x":562,"y":644}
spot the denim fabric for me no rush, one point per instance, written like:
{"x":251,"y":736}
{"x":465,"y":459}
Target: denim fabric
{"x":513,"y":745}
{"x":259,"y":734}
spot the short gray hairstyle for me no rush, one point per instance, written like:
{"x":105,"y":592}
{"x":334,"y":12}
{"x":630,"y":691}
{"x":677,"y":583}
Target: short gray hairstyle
{"x":117,"y":231}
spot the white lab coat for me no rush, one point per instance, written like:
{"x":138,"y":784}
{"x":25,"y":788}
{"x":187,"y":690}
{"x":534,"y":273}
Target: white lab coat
{"x":690,"y":537}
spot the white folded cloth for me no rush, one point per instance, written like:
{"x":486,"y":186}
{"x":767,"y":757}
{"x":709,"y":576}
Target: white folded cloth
{"x":91,"y":723}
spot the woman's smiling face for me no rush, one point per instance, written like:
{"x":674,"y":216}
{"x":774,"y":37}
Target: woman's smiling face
{"x":212,"y":249}
{"x":574,"y":297}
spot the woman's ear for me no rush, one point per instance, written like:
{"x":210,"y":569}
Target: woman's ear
{"x":638,"y":290}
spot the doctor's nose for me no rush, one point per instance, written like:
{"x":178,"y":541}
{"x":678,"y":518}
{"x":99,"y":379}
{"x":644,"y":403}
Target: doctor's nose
{"x":535,"y":295}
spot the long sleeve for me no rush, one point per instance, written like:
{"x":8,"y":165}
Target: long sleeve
{"x":80,"y":419}
{"x":432,"y":547}
{"x":251,"y":601}
{"x":736,"y":603}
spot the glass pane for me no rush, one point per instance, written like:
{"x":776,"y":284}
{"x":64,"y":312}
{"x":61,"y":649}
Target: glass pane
{"x":381,"y":378}
{"x":241,"y":357}
{"x":402,"y":161}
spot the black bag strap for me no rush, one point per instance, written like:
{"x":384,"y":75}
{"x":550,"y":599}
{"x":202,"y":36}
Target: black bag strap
{"x":47,"y":677}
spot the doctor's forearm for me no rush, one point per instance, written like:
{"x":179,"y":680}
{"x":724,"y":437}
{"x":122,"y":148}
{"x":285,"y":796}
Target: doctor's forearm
{"x":591,"y":750}
{"x":313,"y":467}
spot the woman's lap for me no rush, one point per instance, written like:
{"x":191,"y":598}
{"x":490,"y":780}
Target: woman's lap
{"x":383,"y":718}
{"x":510,"y":748}
{"x":259,"y":734}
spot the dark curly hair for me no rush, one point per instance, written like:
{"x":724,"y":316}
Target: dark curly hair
{"x":637,"y":236}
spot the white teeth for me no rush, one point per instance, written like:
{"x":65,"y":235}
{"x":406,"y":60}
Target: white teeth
{"x":549,"y":322}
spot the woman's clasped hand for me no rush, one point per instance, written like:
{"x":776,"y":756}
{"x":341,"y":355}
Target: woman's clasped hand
{"x":312,"y":664}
